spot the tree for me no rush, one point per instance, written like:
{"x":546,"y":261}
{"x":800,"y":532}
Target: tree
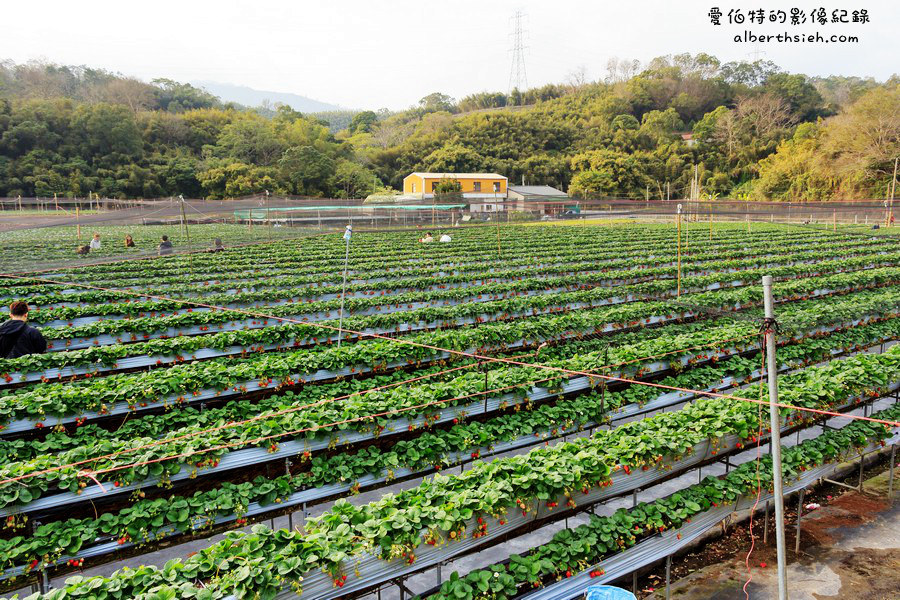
{"x":590,"y":184}
{"x":662,"y":125}
{"x":765,"y":116}
{"x":435,"y":102}
{"x":235,"y":179}
{"x":354,"y":180}
{"x":134,"y":94}
{"x":454,"y":159}
{"x":626,"y":123}
{"x":865,"y":140}
{"x":179,"y":97}
{"x":107,"y":133}
{"x":307,"y":170}
{"x":250,"y":140}
{"x":448,"y":190}
{"x":362,"y":122}
{"x":801,"y":95}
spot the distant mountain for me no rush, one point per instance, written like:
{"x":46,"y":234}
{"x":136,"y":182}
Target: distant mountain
{"x":252,"y":98}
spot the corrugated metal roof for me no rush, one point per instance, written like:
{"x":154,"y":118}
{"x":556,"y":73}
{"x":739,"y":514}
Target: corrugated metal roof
{"x":457,"y":175}
{"x":536,"y":190}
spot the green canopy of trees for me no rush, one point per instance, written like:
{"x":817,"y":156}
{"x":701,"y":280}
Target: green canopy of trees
{"x":755,"y":131}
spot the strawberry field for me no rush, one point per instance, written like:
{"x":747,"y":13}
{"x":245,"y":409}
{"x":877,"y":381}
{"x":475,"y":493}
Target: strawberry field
{"x":497,"y":384}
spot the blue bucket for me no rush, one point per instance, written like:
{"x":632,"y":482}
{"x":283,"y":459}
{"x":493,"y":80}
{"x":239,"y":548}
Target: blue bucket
{"x":607,"y":592}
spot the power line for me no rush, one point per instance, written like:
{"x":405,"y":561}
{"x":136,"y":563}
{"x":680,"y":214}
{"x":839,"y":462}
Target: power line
{"x":518,"y":79}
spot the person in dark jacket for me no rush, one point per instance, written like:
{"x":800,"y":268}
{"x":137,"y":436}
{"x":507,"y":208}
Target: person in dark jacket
{"x":17,"y":338}
{"x":165,"y":246}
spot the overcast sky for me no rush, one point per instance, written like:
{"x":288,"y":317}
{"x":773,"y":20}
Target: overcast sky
{"x":390,"y":53}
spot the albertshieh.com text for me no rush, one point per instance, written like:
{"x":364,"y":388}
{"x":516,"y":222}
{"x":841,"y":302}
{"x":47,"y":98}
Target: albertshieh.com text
{"x":800,"y":38}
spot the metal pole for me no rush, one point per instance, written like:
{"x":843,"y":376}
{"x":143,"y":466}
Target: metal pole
{"x":678,"y":245}
{"x":187,"y":234}
{"x":775,"y":421}
{"x":766,"y":525}
{"x":891,"y":476}
{"x":268,"y":221}
{"x":347,"y":235}
{"x":862,"y":463}
{"x":799,"y":517}
{"x":668,"y":575}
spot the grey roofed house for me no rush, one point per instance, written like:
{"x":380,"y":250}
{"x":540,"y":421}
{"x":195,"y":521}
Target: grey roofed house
{"x":535,"y":192}
{"x":537,"y":198}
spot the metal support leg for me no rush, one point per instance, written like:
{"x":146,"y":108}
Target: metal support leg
{"x":766,"y":525}
{"x":634,"y":497}
{"x":44,"y":582}
{"x":700,"y":475}
{"x":727,"y":464}
{"x":891,"y":474}
{"x":634,"y":582}
{"x":291,"y":521}
{"x":668,"y":576}
{"x":799,"y":517}
{"x":440,"y":578}
{"x":861,"y":467}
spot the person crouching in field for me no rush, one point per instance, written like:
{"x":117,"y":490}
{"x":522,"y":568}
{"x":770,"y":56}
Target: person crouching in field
{"x":17,"y":338}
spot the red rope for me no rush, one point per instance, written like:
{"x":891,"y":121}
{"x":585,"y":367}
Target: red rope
{"x":456,"y":352}
{"x":234,"y":424}
{"x":421,"y":345}
{"x":758,"y":482}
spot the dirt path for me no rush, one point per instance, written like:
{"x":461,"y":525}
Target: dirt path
{"x":850,"y":549}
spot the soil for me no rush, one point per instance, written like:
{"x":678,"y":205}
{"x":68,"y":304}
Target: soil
{"x":849,"y":549}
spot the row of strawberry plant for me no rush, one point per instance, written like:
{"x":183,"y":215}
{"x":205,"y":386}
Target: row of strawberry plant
{"x":142,"y":522}
{"x":290,"y":287}
{"x":443,"y":508}
{"x":473,"y":293}
{"x":594,"y":296}
{"x":103,"y":394}
{"x":580,"y":549}
{"x":378,"y":265}
{"x":388,"y":249}
{"x":167,"y":350}
{"x":274,"y":428}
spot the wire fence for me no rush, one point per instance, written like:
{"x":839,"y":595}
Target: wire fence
{"x":40,"y":233}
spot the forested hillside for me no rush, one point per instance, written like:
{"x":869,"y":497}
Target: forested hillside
{"x":754,"y":130}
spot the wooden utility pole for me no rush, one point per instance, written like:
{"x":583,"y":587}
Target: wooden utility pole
{"x":187,"y":234}
{"x":893,"y":188}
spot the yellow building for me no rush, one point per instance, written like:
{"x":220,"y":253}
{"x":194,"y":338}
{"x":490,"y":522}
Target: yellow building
{"x":480,"y":186}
